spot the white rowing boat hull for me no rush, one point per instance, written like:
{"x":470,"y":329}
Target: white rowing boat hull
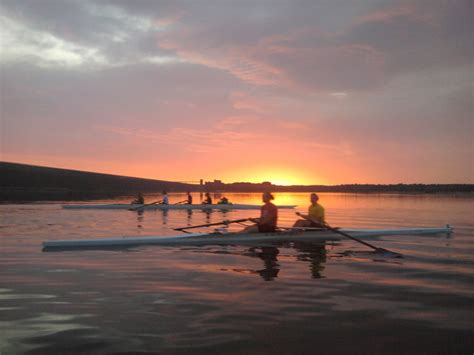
{"x":233,"y":238}
{"x":124,"y":206}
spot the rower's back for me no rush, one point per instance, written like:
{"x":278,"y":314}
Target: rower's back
{"x":269,"y":218}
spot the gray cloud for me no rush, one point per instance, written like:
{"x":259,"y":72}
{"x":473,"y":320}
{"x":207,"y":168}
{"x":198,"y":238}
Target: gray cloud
{"x":414,"y":36}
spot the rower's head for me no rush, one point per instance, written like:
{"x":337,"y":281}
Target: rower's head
{"x":314,"y":198}
{"x":165,"y":193}
{"x":267,"y":197}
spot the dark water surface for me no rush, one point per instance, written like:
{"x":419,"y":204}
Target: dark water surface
{"x":274,"y":299}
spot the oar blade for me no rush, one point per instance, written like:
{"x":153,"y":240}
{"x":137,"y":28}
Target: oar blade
{"x":388,"y":253}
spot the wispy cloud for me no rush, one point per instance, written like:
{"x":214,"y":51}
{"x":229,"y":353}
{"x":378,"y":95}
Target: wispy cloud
{"x":43,"y":47}
{"x":215,"y":139}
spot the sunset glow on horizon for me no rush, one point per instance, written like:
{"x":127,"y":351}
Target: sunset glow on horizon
{"x":317,"y":92}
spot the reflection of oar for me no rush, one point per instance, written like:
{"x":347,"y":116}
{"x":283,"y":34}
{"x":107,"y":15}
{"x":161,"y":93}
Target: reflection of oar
{"x":143,"y":206}
{"x":226,"y":222}
{"x":335,"y":230}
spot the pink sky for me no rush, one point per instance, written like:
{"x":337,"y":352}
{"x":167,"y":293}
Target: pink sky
{"x":312,"y":92}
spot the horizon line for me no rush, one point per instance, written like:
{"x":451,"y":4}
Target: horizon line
{"x":238,"y":182}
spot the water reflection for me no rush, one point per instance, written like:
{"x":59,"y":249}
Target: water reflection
{"x":164,"y":214}
{"x":270,"y":262}
{"x":208,"y":214}
{"x":176,"y":300}
{"x":315,"y":254}
{"x":140,"y":217}
{"x":189,"y":216}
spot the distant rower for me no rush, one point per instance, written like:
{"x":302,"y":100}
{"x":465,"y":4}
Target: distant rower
{"x":267,"y":222}
{"x":189,"y":200}
{"x":140,"y":200}
{"x":223,"y":201}
{"x":165,"y":200}
{"x":208,"y":199}
{"x":315,"y":211}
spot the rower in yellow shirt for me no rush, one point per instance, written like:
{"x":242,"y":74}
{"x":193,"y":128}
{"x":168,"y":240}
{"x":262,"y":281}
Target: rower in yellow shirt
{"x":315,"y":212}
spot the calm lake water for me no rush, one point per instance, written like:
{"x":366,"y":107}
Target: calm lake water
{"x":337,"y":298}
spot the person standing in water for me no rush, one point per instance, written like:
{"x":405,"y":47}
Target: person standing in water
{"x":315,"y":212}
{"x":267,"y":223}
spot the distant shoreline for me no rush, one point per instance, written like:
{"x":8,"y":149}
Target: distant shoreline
{"x":28,"y":183}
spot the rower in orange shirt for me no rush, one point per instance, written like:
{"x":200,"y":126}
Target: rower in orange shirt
{"x":267,"y":223}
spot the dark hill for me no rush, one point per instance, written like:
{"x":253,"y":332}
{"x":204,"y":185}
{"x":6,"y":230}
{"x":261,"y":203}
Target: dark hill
{"x":29,"y":182}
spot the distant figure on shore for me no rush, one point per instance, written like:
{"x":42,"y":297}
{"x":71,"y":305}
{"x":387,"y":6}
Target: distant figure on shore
{"x":223,"y":201}
{"x":140,"y":200}
{"x":267,"y":223}
{"x":207,"y":199}
{"x":165,"y":200}
{"x":189,"y":200}
{"x":315,"y":212}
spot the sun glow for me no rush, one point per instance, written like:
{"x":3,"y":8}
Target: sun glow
{"x":277,"y":176}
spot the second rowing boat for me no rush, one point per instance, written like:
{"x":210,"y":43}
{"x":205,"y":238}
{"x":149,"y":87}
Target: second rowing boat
{"x":125,"y":206}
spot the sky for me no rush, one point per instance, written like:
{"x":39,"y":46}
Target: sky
{"x":292,"y":92}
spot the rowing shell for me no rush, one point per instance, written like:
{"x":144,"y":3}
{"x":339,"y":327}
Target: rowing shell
{"x":124,"y":206}
{"x":233,"y":238}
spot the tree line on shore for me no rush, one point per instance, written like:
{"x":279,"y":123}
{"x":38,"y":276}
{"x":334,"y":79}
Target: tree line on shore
{"x":21,"y":182}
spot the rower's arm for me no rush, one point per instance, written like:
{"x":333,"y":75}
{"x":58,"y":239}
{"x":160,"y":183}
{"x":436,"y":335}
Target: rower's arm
{"x":265,"y":220}
{"x":311,"y":219}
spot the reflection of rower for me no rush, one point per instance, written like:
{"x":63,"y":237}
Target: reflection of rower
{"x":165,"y":216}
{"x":140,"y":200}
{"x":267,"y":222}
{"x":208,"y":213}
{"x":270,"y":262}
{"x":208,"y":199}
{"x":315,"y":254}
{"x":315,"y":213}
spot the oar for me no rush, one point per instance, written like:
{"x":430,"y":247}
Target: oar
{"x":143,"y":206}
{"x":335,"y":230}
{"x":180,"y":202}
{"x":182,"y":229}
